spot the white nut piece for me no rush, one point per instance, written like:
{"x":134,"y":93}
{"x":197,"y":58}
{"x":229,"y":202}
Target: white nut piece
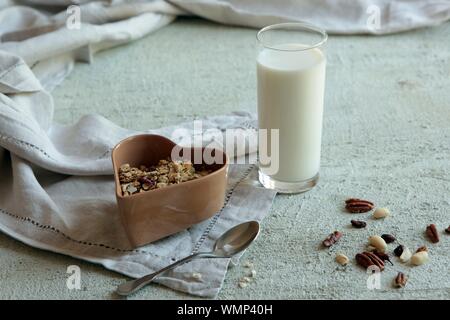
{"x":406,"y":255}
{"x":197,"y":276}
{"x":420,"y":258}
{"x":342,"y":259}
{"x":378,"y":242}
{"x":380,"y":213}
{"x":253,"y":273}
{"x":242,"y":284}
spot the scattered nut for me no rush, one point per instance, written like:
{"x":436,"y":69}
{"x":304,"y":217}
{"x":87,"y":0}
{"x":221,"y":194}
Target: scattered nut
{"x":332,"y":239}
{"x":432,"y":233}
{"x":380,"y":213}
{"x":419,"y":258}
{"x":342,"y":259}
{"x":388,"y":238}
{"x":367,"y":259}
{"x":253,"y":273}
{"x":358,"y":224}
{"x":422,"y":248}
{"x":399,"y":250}
{"x":244,"y":281}
{"x":406,"y":255}
{"x":197,"y":276}
{"x":248,"y":264}
{"x":383,"y":256}
{"x":355,"y":205}
{"x":400,"y":280}
{"x":378,"y":242}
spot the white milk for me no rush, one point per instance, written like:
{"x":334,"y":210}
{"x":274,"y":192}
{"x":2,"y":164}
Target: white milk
{"x":290,"y":98}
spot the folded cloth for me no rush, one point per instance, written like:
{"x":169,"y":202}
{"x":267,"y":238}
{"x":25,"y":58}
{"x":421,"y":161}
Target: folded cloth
{"x":335,"y":16}
{"x":57,"y":192}
{"x":50,"y":43}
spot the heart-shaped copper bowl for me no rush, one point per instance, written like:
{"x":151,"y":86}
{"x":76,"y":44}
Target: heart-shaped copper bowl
{"x":155,"y":214}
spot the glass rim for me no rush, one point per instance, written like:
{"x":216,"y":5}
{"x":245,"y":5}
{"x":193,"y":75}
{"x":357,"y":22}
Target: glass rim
{"x":303,"y":25}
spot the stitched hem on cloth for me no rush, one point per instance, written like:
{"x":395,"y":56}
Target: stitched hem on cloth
{"x":101,"y":245}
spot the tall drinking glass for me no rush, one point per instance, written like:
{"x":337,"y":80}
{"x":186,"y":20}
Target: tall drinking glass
{"x":291,"y":82}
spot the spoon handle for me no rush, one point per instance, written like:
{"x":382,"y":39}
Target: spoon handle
{"x":132,"y":286}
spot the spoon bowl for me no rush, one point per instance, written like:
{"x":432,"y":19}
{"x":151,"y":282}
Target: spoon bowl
{"x":236,"y":239}
{"x":230,"y":243}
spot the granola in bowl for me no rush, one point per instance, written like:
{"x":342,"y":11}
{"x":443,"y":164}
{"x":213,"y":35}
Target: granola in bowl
{"x":167,"y":172}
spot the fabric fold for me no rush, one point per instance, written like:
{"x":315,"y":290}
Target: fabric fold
{"x":15,"y":76}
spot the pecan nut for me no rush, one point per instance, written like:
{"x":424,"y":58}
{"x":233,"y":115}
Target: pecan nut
{"x":332,"y":239}
{"x":355,"y":205}
{"x":358,"y":224}
{"x":422,"y":248}
{"x":432,"y":233}
{"x":367,"y":259}
{"x":400,"y":280}
{"x":383,"y":256}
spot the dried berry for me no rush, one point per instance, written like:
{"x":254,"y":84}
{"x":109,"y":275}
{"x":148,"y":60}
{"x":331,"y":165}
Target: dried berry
{"x":354,"y":205}
{"x":432,"y":233}
{"x":400,"y":280}
{"x":332,"y":239}
{"x":399,"y":250}
{"x":367,"y":259}
{"x":388,"y":238}
{"x":146,"y":180}
{"x":383,"y":256}
{"x":358,"y":224}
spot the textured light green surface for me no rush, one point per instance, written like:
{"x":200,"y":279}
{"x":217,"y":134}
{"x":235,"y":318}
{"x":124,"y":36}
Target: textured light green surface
{"x":386,"y":137}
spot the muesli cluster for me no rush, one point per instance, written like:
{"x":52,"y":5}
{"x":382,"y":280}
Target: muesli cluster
{"x":167,"y":172}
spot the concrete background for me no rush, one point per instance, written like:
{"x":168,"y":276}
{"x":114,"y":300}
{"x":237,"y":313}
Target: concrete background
{"x":386,"y":138}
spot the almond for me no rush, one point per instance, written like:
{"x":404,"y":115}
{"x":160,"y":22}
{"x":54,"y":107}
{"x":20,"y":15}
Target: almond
{"x":342,"y":259}
{"x":420,"y":258}
{"x":381,"y":213}
{"x":378,"y":242}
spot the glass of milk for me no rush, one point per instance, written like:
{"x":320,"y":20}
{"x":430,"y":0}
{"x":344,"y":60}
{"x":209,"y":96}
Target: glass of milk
{"x":291,"y":82}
